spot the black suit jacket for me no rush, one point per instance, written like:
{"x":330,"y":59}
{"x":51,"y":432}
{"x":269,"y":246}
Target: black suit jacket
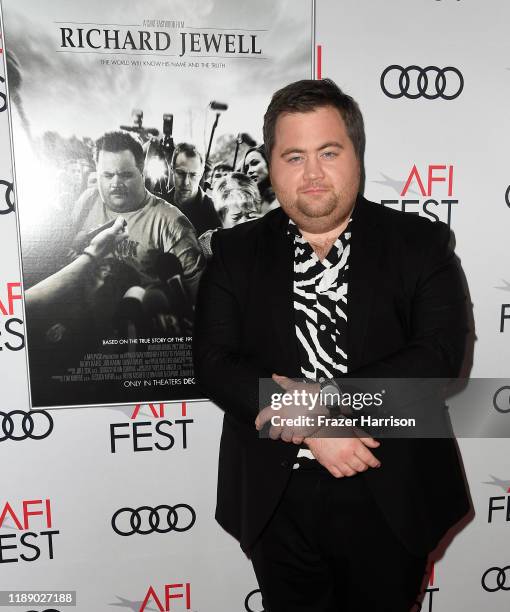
{"x":406,"y":318}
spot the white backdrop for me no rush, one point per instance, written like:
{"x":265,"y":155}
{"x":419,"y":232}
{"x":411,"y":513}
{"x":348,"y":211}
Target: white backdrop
{"x":74,"y":467}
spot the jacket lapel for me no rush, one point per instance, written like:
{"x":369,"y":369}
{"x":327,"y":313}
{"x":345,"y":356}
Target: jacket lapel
{"x":364,"y":272}
{"x":277,"y":259}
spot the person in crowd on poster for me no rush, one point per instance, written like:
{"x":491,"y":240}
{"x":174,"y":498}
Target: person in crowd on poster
{"x":219,"y":171}
{"x":255,"y":166}
{"x":327,"y":288}
{"x":187,"y":168}
{"x":154,"y":227}
{"x":236,"y":200}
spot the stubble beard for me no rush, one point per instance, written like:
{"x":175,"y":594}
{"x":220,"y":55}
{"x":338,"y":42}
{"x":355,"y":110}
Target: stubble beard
{"x":317,"y":217}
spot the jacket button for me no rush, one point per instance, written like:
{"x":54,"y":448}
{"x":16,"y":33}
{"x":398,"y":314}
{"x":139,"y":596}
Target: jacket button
{"x":285,"y":464}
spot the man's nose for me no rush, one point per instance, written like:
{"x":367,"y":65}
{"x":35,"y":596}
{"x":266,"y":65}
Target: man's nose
{"x":116,"y":180}
{"x":187,"y":180}
{"x":312,"y":168}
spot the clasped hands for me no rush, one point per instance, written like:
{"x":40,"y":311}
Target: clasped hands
{"x":345,"y":456}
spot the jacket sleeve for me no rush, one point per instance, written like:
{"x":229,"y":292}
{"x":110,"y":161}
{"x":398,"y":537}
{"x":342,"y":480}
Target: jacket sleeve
{"x":228,"y":378}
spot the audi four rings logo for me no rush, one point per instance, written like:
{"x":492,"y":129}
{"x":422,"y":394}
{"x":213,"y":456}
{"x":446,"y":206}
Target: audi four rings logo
{"x":254,"y":598}
{"x":8,"y":196}
{"x":36,"y":424}
{"x":414,"y":82}
{"x":500,"y":402}
{"x":495,"y":579}
{"x":172,"y":518}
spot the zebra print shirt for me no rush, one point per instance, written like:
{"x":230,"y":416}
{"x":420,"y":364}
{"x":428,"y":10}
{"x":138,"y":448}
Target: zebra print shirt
{"x":320,"y":306}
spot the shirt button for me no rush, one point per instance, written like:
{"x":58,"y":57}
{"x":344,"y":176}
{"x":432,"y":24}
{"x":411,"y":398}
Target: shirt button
{"x":322,"y":379}
{"x":322,"y":327}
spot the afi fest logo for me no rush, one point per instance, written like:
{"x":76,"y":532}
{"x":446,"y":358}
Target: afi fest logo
{"x":150,"y":428}
{"x":12,"y":337}
{"x":505,"y":308}
{"x":171,"y":598}
{"x":33,"y":518}
{"x":427,"y":191}
{"x":499,"y":505}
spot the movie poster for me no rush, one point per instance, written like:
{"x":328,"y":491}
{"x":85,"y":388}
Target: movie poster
{"x":136,"y":133}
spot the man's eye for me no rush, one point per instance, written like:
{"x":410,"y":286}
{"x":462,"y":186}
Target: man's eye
{"x":107,"y":175}
{"x":294,"y":159}
{"x":329,"y":154}
{"x":126,"y":175}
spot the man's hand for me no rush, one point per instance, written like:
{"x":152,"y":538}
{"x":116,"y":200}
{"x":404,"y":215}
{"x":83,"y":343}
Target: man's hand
{"x":105,"y":242}
{"x":344,"y":456}
{"x":308,"y":395}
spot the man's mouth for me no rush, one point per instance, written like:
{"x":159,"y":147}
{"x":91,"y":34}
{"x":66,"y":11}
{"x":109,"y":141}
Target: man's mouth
{"x":314,"y":189}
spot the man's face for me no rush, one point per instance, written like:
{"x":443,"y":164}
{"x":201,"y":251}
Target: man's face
{"x":218,"y":173}
{"x":314,"y":169}
{"x":120,"y":182}
{"x":187,"y":175}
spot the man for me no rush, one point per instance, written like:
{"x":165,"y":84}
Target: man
{"x":349,"y":289}
{"x":219,"y":171}
{"x":154,"y":228}
{"x":188,"y":168}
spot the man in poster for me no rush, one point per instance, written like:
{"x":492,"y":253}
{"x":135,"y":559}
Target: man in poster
{"x":187,"y":195}
{"x":154,"y":227}
{"x":329,"y":286}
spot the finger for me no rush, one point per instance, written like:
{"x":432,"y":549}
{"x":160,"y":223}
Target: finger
{"x":119,"y":223}
{"x":356,"y":464}
{"x":120,"y":237}
{"x":263,"y":417}
{"x":284,"y":382}
{"x":275,"y":432}
{"x":334,"y":471}
{"x":367,"y":457}
{"x":346,"y":469}
{"x":297,"y":439}
{"x":368,"y":441}
{"x":286,"y":434}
